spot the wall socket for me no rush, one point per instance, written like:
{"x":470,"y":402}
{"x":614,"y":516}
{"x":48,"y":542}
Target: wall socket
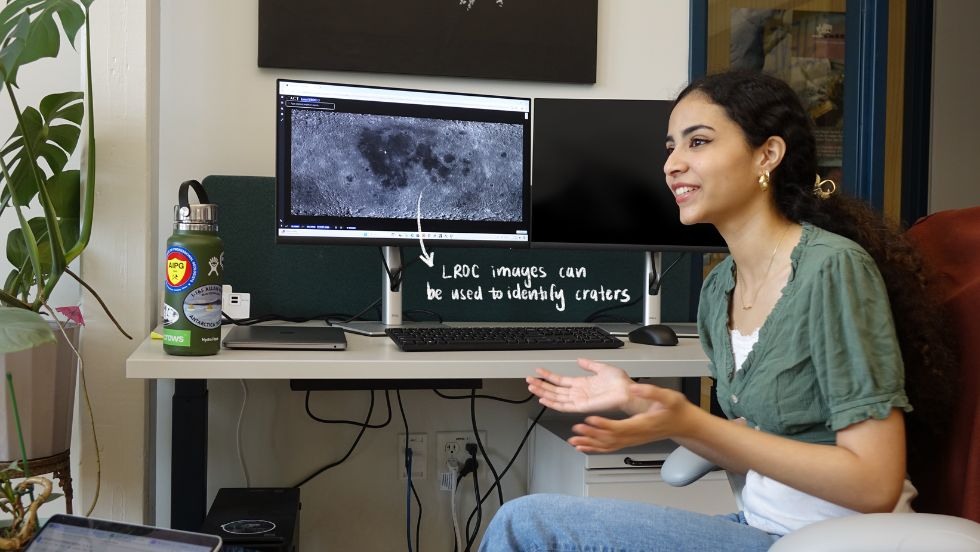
{"x":420,"y":455}
{"x":452,"y":444}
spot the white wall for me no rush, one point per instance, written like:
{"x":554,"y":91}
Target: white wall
{"x":216,"y":116}
{"x":954,"y":179}
{"x":119,"y":259}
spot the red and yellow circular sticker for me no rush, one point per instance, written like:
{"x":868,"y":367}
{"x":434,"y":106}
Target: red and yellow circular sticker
{"x":181,"y":269}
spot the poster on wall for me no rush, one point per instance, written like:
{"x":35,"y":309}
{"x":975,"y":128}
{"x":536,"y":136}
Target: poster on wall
{"x":805,"y":49}
{"x":540,"y":40}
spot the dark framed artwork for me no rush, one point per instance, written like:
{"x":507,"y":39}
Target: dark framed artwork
{"x":539,"y":40}
{"x":802,"y":42}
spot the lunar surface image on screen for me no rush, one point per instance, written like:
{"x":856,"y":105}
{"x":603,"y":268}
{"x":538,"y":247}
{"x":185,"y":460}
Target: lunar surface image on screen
{"x":375,"y":166}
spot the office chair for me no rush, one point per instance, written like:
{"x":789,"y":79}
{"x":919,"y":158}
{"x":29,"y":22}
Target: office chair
{"x":949,"y":242}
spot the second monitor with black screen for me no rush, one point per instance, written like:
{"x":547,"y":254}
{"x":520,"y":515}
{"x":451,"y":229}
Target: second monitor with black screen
{"x":598,"y":179}
{"x":598,"y":183}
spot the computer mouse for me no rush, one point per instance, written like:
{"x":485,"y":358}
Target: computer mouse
{"x":654,"y":334}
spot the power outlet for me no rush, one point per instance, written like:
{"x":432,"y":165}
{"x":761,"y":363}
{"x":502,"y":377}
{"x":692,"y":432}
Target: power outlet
{"x":452,"y":444}
{"x":418,"y":442}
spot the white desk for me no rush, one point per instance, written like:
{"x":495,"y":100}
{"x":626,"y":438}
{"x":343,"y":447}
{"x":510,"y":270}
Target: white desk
{"x":379,"y":358}
{"x":366,"y":358}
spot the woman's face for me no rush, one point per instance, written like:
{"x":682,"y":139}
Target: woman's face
{"x":710,"y":168}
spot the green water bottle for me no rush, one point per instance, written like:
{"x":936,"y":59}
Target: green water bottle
{"x":192,"y":287}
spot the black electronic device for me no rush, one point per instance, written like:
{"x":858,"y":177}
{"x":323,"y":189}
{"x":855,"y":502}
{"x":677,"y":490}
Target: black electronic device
{"x":501,"y":338}
{"x":255,"y":519}
{"x":599,"y":181}
{"x":654,"y":334}
{"x":387,"y":166}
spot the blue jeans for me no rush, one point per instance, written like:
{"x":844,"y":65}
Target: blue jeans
{"x":547,"y":522}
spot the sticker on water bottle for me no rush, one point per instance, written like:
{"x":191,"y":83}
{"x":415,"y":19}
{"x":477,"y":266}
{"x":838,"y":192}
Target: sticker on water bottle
{"x":181,"y":269}
{"x":170,"y":315}
{"x":203,"y":306}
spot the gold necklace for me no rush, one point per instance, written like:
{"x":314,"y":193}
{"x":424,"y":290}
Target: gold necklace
{"x":765,"y":276}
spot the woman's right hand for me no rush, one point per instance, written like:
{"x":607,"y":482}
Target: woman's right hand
{"x":608,"y":388}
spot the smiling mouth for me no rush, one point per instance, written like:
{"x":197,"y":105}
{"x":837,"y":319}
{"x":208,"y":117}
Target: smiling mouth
{"x":682,"y":191}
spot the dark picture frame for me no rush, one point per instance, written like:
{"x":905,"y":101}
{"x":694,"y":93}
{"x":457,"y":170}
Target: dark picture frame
{"x":540,"y":40}
{"x":864,"y":97}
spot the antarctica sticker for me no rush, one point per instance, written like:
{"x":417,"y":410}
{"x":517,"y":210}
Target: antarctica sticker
{"x":181,"y":269}
{"x":203,"y":306}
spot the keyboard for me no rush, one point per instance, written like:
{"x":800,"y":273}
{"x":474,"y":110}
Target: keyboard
{"x":501,"y":338}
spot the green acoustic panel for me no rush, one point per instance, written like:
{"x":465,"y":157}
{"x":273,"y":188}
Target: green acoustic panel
{"x":465,"y":284}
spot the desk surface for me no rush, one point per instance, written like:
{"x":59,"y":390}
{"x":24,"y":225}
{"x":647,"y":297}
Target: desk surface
{"x":379,"y":358}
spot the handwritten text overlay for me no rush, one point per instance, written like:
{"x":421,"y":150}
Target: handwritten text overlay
{"x":471,"y":282}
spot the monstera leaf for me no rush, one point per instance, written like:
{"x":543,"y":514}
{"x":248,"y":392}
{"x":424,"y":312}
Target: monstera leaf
{"x":50,"y":133}
{"x":22,"y":329}
{"x":28,"y":31}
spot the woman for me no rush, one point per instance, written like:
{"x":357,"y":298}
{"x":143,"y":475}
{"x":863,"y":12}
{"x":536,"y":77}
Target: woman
{"x":797,"y":323}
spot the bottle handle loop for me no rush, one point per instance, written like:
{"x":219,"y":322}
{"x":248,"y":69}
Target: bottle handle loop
{"x":202,"y":195}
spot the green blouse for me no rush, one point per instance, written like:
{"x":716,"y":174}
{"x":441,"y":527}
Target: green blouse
{"x":827,"y":355}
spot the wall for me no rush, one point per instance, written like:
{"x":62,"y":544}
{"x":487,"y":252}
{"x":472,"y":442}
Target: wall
{"x":118,"y":261}
{"x":216,"y":116}
{"x":953,"y":180}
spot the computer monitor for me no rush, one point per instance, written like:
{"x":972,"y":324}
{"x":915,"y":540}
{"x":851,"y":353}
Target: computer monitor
{"x":598,"y":183}
{"x":598,"y":180}
{"x":386,"y":166}
{"x":383,"y":166}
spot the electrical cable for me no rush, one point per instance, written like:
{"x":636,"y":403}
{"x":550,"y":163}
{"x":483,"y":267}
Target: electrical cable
{"x":408,"y":314}
{"x":238,"y":435}
{"x":394,"y":278}
{"x":453,"y":487}
{"x":349,"y":451}
{"x":350,"y":422}
{"x":251,"y":321}
{"x":469,"y":466}
{"x":652,"y":289}
{"x":411,"y":486}
{"x":470,"y":539}
{"x":491,"y":397}
{"x":408,"y":492}
{"x":479,"y":445}
{"x":364,"y":310}
{"x":513,"y":459}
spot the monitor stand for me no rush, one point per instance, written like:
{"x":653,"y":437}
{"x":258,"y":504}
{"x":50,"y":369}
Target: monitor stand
{"x":391,"y":301}
{"x":651,"y":299}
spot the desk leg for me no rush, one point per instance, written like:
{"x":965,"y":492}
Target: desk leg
{"x":189,"y":455}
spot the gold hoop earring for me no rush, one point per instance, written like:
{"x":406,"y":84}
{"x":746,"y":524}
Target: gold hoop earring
{"x":764,"y":180}
{"x":824,"y":188}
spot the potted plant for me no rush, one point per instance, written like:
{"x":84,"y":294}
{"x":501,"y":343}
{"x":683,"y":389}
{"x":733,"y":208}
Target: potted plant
{"x":35,"y":172}
{"x":19,"y":499}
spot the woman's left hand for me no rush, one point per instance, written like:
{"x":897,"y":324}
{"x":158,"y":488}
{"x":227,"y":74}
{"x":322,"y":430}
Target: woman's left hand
{"x":668,"y":415}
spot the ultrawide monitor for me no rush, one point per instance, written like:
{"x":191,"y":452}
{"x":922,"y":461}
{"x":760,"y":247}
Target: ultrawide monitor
{"x":385,"y":166}
{"x":598,"y":179}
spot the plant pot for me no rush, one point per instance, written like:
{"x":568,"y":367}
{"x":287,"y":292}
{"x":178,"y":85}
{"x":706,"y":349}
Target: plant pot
{"x":44,"y":379}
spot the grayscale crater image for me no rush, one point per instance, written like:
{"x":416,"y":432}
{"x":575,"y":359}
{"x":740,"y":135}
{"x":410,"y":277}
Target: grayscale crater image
{"x":375,"y":166}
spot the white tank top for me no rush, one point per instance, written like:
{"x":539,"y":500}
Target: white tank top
{"x":777,"y":508}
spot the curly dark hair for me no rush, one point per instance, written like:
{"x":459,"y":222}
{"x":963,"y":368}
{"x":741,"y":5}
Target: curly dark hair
{"x":764,"y":106}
